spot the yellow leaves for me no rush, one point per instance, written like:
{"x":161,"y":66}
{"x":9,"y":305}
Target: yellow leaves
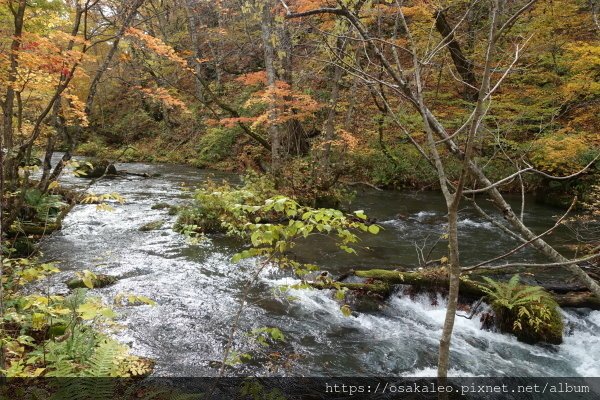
{"x":129,"y":299}
{"x":585,"y":70}
{"x":75,"y":112}
{"x":91,"y":310}
{"x":88,"y":278}
{"x":102,"y":201}
{"x":559,"y":154}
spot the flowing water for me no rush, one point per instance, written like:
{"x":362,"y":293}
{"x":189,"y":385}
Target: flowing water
{"x":198,"y":290}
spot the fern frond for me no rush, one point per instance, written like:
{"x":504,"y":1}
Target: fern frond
{"x":105,"y":360}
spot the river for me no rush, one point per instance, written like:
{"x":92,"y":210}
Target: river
{"x":198,"y":290}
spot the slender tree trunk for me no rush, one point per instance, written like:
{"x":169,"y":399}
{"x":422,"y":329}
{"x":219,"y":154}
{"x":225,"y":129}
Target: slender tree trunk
{"x":269,"y":54}
{"x":454,"y":275}
{"x":194,"y":38}
{"x":337,"y":72}
{"x":9,"y":99}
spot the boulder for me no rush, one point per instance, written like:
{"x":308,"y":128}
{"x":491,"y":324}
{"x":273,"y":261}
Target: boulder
{"x":152,"y":226}
{"x":160,"y":206}
{"x":99,"y":282}
{"x":97,"y":169}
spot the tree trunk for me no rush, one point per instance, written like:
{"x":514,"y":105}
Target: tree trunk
{"x":193,"y":32}
{"x":269,"y":54}
{"x":464,"y":67}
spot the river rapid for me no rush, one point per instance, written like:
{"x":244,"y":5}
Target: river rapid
{"x":198,"y":290}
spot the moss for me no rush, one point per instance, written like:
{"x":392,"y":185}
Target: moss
{"x":100,"y":281}
{"x":152,"y":226}
{"x":551,"y":331}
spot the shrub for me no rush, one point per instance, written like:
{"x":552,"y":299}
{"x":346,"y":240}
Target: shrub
{"x":215,"y":145}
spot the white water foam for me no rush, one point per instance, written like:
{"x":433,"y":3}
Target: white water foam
{"x":469,"y":223}
{"x":417,"y":323}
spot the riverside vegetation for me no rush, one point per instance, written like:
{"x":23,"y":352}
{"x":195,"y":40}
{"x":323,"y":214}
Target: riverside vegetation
{"x":308,"y":99}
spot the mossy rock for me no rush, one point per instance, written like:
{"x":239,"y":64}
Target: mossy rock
{"x":160,"y":206}
{"x":174,"y":210}
{"x":550,"y":332}
{"x":100,"y":281}
{"x":152,"y":226}
{"x":98,"y":169}
{"x":202,"y":224}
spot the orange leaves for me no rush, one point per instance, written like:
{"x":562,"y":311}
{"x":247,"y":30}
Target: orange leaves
{"x":159,"y":47}
{"x":348,"y":139}
{"x":345,"y":141}
{"x":163,"y":96}
{"x":284,"y":104}
{"x":307,"y":5}
{"x":43,"y":62}
{"x":253,"y":78}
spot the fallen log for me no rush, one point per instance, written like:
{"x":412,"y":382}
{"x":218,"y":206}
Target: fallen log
{"x":380,"y":281}
{"x":35,"y":228}
{"x":376,"y":288}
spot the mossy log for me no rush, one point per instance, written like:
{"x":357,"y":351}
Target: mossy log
{"x":377,"y":288}
{"x":468,"y":287}
{"x":99,"y":282}
{"x":36,"y":229}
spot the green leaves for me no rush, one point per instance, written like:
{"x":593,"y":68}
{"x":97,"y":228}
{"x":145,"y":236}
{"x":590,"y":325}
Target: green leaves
{"x":374,"y":229}
{"x":267,"y":335}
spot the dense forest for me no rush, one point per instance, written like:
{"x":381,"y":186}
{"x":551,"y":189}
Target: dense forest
{"x":306,"y":133}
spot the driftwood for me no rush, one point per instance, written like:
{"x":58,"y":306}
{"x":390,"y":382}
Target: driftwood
{"x":379,"y":281}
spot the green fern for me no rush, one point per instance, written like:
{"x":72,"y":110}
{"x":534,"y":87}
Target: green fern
{"x":527,"y":311}
{"x":95,"y":379}
{"x":510,"y":295}
{"x":105,"y":360}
